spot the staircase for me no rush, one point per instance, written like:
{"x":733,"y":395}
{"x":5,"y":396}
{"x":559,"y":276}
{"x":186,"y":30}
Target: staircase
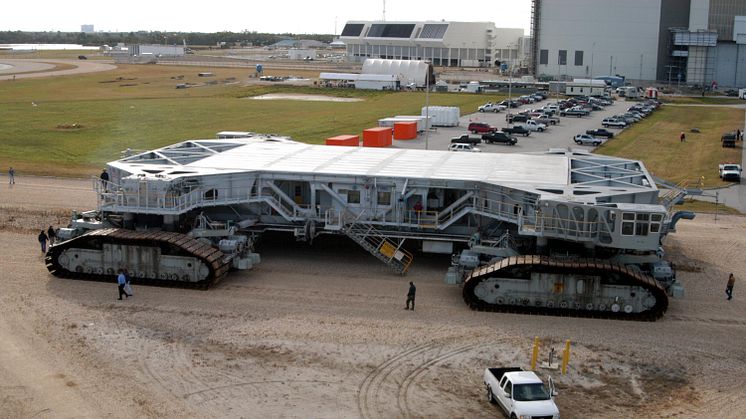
{"x":379,"y":246}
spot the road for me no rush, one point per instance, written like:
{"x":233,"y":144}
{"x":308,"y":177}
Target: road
{"x":25,"y":68}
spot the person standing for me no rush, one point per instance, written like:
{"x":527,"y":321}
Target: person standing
{"x":682,"y":137}
{"x":121,"y":282}
{"x":410,"y":296}
{"x":11,"y":176}
{"x":729,"y":287}
{"x":43,"y":241}
{"x":105,"y":180}
{"x":52,"y":235}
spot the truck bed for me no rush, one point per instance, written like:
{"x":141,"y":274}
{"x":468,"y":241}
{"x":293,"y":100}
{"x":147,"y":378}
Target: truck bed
{"x":499,"y":372}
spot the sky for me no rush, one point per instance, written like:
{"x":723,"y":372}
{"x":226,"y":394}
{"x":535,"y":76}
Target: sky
{"x":294,"y":16}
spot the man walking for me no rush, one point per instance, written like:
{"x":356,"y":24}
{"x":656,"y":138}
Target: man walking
{"x":410,"y":296}
{"x":121,"y":282}
{"x":43,"y":241}
{"x":11,"y":176}
{"x":682,"y":137}
{"x":51,"y":235}
{"x":105,"y":180}
{"x":729,"y":287}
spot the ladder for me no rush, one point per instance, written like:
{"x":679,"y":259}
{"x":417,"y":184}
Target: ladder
{"x":378,"y":245}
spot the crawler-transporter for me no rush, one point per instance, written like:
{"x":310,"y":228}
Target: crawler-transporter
{"x":560,"y":232}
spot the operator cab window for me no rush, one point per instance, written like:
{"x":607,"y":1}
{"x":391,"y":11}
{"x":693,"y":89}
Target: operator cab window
{"x":640,"y":224}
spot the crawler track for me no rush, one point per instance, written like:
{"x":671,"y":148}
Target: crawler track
{"x":505,"y":268}
{"x":175,"y":243}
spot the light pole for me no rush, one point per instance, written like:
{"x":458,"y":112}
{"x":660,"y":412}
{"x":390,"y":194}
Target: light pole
{"x":427,"y":104}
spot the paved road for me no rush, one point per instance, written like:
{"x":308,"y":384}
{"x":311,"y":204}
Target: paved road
{"x":20,"y":68}
{"x":556,"y":136}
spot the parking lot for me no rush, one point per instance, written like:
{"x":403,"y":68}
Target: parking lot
{"x":555,"y":136}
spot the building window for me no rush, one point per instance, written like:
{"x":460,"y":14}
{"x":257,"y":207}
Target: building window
{"x":562,"y":57}
{"x":544,"y":57}
{"x":353,"y":197}
{"x":384,"y":198}
{"x":578,"y":58}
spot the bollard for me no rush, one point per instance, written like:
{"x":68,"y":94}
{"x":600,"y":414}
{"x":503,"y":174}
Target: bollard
{"x":566,"y":357}
{"x":535,"y":353}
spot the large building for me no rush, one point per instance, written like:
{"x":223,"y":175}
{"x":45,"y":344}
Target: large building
{"x":697,"y":42}
{"x":451,"y":44}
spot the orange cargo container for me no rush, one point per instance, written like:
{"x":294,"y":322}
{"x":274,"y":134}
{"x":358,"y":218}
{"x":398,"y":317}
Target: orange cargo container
{"x":405,"y":130}
{"x":377,"y":137}
{"x":344,"y":140}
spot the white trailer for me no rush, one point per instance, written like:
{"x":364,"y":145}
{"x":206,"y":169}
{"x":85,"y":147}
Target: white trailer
{"x":442,"y":116}
{"x":742,"y":94}
{"x":422,"y":124}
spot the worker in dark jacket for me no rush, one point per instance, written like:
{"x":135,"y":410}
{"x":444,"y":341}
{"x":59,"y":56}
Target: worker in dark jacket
{"x":43,"y":241}
{"x":729,"y":286}
{"x":52,"y":235}
{"x":410,"y":296}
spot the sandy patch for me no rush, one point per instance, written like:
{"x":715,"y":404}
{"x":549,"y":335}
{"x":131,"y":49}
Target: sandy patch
{"x":322,"y":329}
{"x":309,"y":98}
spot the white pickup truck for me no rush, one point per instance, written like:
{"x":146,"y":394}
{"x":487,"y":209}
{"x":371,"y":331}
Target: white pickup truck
{"x":532,"y":125}
{"x":730,"y":172}
{"x":521,"y":394}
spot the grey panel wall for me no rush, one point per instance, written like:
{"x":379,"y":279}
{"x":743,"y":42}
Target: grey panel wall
{"x":674,"y":14}
{"x":730,"y":65}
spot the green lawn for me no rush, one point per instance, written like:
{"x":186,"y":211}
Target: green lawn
{"x":138,"y":107}
{"x":655,"y":141}
{"x":702,"y":100}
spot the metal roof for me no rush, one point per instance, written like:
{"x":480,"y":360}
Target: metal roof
{"x":557,"y":174}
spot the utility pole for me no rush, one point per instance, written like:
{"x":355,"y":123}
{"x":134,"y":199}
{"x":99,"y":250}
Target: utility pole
{"x":384,"y":10}
{"x":427,"y":105}
{"x":640,"y":79}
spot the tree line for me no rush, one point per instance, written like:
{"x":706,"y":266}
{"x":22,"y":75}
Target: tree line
{"x":142,"y":37}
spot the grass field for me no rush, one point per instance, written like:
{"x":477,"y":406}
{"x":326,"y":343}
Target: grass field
{"x":655,"y":141}
{"x":81,"y":122}
{"x":702,"y":100}
{"x":702,"y":206}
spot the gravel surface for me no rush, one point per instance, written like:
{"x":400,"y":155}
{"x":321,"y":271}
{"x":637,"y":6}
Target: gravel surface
{"x":321,"y":332}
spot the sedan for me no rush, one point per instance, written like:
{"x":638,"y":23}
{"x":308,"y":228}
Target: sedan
{"x":600,"y":132}
{"x":585,"y":139}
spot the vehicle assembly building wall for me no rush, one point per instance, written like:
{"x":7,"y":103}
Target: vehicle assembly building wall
{"x":586,"y":38}
{"x":470,"y":44}
{"x":722,"y":16}
{"x":674,"y":14}
{"x":730,"y":56}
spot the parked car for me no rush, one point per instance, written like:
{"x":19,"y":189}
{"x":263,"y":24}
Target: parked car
{"x":467,"y":139}
{"x":613,"y":122}
{"x":532,"y":125}
{"x":520,"y":394}
{"x":513,"y":118}
{"x":480,"y":128}
{"x":729,"y":139}
{"x":573,"y":112}
{"x":491,"y":107}
{"x":463,"y":147}
{"x":499,"y":137}
{"x":585,"y":139}
{"x":517,"y":129}
{"x":600,"y":132}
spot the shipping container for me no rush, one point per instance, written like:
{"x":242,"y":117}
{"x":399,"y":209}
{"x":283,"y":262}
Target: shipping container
{"x":344,"y":140}
{"x":405,"y":130}
{"x":377,"y":137}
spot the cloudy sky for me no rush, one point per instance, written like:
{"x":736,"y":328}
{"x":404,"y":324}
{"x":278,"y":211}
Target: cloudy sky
{"x":295,"y":16}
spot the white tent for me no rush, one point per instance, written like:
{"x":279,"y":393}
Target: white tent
{"x":408,"y":71}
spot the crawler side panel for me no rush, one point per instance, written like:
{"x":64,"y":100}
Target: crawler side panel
{"x":152,"y":258}
{"x":535,"y":284}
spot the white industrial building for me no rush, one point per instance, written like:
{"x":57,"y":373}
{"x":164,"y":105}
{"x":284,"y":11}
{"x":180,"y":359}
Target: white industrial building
{"x":443,"y":43}
{"x":688,"y":41}
{"x":156,"y":50}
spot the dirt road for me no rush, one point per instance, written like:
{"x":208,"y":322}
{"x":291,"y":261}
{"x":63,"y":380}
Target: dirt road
{"x":321,"y":332}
